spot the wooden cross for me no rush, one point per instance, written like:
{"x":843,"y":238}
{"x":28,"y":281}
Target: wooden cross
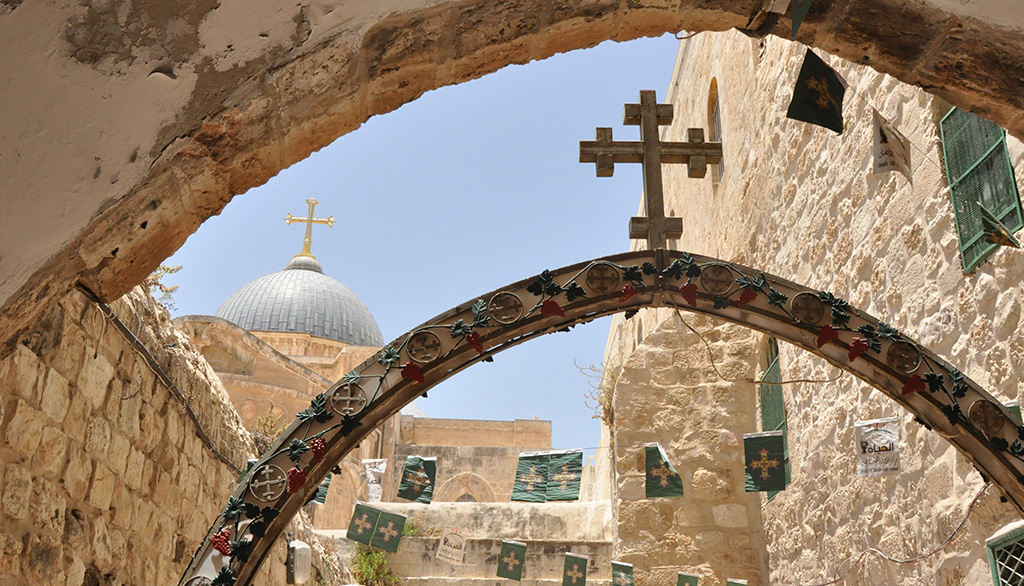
{"x":764,"y":465}
{"x":663,"y":473}
{"x":695,"y":153}
{"x":564,"y":477}
{"x":309,"y":220}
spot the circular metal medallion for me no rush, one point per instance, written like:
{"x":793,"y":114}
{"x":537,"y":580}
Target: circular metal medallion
{"x":807,"y":308}
{"x":505,"y":307}
{"x":199,"y":581}
{"x":903,"y":356}
{"x":716,"y":279}
{"x":986,"y":416}
{"x":348,"y":399}
{"x":603,"y":278}
{"x":424,"y":346}
{"x":268,"y":483}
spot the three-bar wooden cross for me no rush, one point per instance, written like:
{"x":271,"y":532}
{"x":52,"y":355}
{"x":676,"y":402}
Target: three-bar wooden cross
{"x":695,"y":153}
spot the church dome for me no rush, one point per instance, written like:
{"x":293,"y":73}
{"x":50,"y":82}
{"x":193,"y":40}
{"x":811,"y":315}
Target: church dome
{"x":302,"y":299}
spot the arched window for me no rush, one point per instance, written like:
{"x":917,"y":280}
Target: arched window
{"x":715,"y":129}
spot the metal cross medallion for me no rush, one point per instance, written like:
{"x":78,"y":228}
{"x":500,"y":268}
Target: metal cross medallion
{"x":695,"y":153}
{"x":309,"y":220}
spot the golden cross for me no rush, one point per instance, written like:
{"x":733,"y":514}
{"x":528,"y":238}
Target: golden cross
{"x":663,"y":472}
{"x":648,"y":115}
{"x":511,"y":560}
{"x":764,"y":464}
{"x":564,"y":477}
{"x":575,"y":573}
{"x":531,"y":478}
{"x":363,"y":523}
{"x":309,"y":220}
{"x":418,"y":478}
{"x":387,"y":532}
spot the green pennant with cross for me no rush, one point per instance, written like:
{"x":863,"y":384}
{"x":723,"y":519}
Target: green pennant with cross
{"x":765,"y":461}
{"x":564,"y":471}
{"x":388,"y":532}
{"x":531,"y":478}
{"x":511,"y":560}
{"x":661,"y":477}
{"x":575,"y":571}
{"x":622,"y":574}
{"x":364,"y":521}
{"x":320,"y":496}
{"x":418,"y":479}
{"x":818,"y":95}
{"x":687,"y":579}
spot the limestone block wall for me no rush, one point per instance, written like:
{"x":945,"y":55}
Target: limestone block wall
{"x":548,"y":529}
{"x":667,"y":391}
{"x":475,"y":459}
{"x":104,"y":479}
{"x":799,"y":201}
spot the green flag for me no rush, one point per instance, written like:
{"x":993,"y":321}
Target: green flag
{"x":622,"y":574}
{"x":687,"y":579}
{"x":418,"y":479}
{"x":320,"y":496}
{"x":800,"y":8}
{"x":735,"y":582}
{"x":575,"y":571}
{"x":818,"y":95}
{"x":765,"y":461}
{"x":531,"y":478}
{"x":511,"y":560}
{"x":564,"y":471}
{"x":662,"y":480}
{"x":364,"y":521}
{"x":388,"y":532}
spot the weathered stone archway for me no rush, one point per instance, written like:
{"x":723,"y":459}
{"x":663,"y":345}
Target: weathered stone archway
{"x":922,"y":383}
{"x":187,"y":105}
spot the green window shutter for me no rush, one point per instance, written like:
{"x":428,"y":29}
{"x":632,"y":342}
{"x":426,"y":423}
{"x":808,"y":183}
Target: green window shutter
{"x":773,"y":409}
{"x":978,"y":169}
{"x":1006,"y":558}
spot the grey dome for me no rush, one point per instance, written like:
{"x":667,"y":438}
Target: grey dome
{"x":302,"y":299}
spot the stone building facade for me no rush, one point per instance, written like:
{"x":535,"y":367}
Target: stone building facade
{"x":800,"y":201}
{"x":119,"y":450}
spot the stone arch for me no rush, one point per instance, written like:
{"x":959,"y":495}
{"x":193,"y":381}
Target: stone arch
{"x":555,"y":301}
{"x":465,"y":484}
{"x":243,"y":98}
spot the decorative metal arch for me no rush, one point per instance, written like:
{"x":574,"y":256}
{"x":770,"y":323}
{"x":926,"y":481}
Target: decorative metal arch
{"x":286,"y":476}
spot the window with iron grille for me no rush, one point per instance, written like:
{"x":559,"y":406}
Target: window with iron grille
{"x":979,"y":171}
{"x":773,"y":409}
{"x":1006,"y":557}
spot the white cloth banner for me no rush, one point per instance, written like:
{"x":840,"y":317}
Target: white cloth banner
{"x":452,"y":548}
{"x":878,"y":446}
{"x":892,"y":150}
{"x":374,"y":479}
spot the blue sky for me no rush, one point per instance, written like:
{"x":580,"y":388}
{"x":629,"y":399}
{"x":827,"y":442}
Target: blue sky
{"x":467,"y":189}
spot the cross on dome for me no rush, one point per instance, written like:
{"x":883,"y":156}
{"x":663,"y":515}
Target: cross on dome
{"x":309,"y":220}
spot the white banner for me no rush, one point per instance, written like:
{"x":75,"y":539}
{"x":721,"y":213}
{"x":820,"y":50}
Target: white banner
{"x":892,"y":150}
{"x":452,"y":548}
{"x":374,"y":479}
{"x":878,"y":446}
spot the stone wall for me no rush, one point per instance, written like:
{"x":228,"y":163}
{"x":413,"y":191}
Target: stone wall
{"x":548,"y":529}
{"x":475,"y":459}
{"x":666,"y":391}
{"x":105,"y":480}
{"x":799,"y":201}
